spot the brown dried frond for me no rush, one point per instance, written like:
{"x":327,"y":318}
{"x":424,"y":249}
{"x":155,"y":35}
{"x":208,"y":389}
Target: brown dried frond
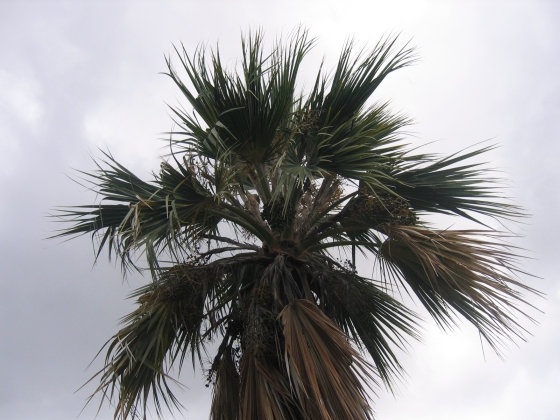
{"x":326,"y":373}
{"x":471,"y":271}
{"x":265,"y":391}
{"x":225,"y":399}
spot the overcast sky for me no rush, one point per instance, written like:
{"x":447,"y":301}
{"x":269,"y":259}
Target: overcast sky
{"x":78,"y":76}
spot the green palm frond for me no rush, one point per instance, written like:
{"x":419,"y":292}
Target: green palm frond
{"x":453,"y":185}
{"x":362,"y":149}
{"x":355,"y":80}
{"x":242,"y":112}
{"x":139,"y":354}
{"x":171,"y":321}
{"x":150,"y":216}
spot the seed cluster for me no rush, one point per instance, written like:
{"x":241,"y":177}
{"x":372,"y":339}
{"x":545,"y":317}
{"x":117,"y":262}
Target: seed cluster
{"x":308,"y":121}
{"x":277,"y":217}
{"x":384,"y":208}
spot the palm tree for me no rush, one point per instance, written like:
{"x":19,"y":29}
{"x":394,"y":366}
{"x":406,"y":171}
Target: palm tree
{"x":247,"y":226}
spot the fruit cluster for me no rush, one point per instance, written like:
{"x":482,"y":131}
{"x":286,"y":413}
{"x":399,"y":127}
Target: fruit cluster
{"x":384,"y":208}
{"x":277,"y":215}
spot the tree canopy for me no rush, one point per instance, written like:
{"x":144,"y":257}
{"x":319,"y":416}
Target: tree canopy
{"x":246,"y":227}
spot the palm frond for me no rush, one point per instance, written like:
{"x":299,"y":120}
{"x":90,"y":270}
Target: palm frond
{"x":362,"y":148}
{"x":468,"y":272}
{"x":150,"y":216}
{"x":225,"y":399}
{"x":265,"y":392}
{"x":326,"y":373}
{"x":372,"y":318}
{"x":242,"y":112}
{"x":356,"y":78}
{"x":453,"y":185}
{"x":167,"y":324}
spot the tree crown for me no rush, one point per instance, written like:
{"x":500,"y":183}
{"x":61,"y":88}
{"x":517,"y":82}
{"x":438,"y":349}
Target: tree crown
{"x":263,"y":185}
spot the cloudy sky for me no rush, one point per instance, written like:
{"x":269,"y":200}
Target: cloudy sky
{"x":79,"y":76}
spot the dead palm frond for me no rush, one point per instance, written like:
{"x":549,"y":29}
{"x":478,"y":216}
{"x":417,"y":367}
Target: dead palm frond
{"x":469,"y":272}
{"x":327,"y":375}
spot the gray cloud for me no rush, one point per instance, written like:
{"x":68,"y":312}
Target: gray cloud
{"x":78,"y":76}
